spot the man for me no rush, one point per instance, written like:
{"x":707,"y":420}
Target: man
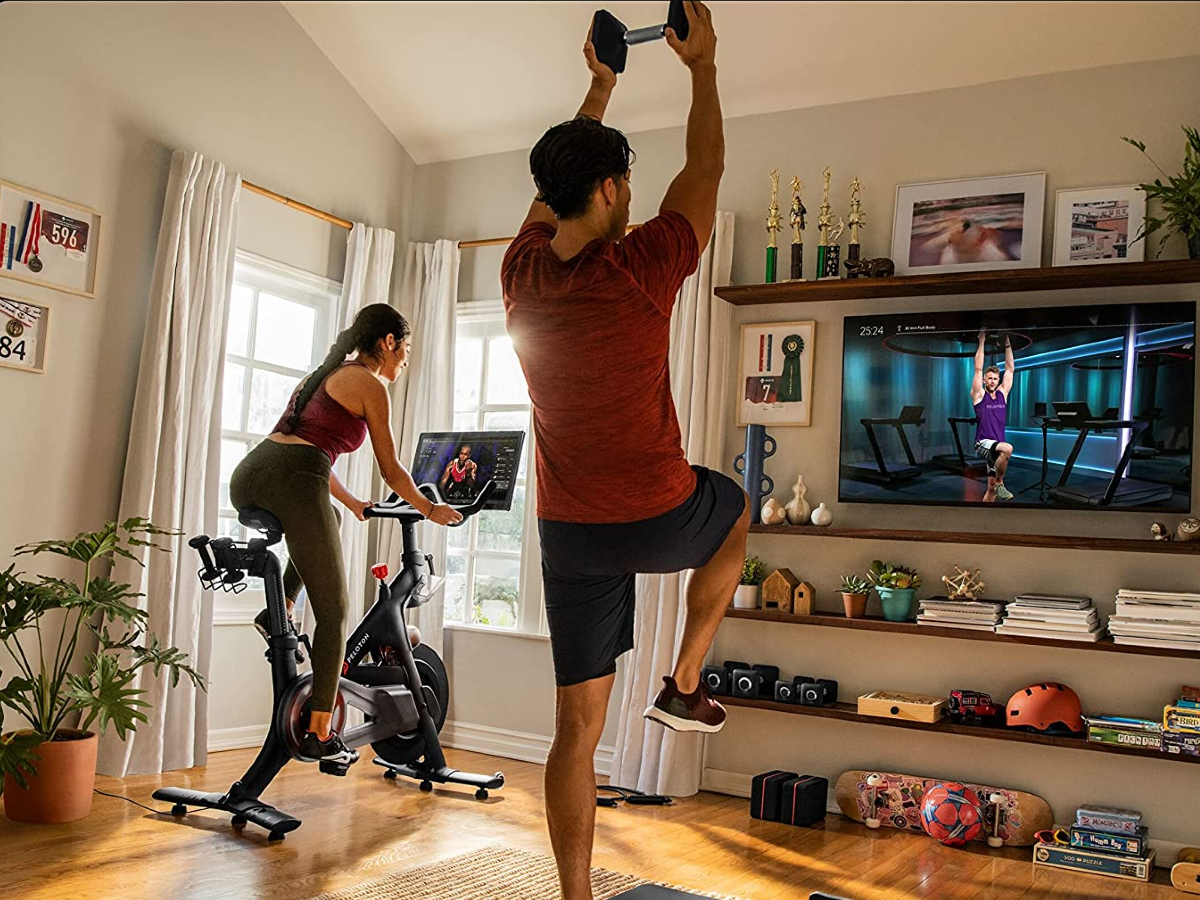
{"x":458,"y":481}
{"x":990,"y":398}
{"x":589,"y":312}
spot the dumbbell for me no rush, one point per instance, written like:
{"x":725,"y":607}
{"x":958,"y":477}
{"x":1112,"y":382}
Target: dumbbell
{"x":612,"y":39}
{"x":719,"y":678}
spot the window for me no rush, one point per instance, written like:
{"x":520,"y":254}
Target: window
{"x":491,"y":580}
{"x":281,"y":323}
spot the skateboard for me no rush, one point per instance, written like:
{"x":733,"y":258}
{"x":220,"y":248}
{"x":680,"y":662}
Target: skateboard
{"x":1185,"y":874}
{"x":1010,"y":817}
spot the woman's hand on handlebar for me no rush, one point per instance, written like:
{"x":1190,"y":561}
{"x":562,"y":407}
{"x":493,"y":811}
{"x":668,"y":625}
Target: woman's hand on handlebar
{"x":357,"y":506}
{"x":441,"y":514}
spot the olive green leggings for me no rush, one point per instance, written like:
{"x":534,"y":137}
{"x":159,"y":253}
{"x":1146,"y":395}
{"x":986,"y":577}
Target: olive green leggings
{"x":292,"y":481}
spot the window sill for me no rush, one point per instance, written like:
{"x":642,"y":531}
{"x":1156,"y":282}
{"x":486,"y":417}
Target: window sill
{"x":486,"y":629}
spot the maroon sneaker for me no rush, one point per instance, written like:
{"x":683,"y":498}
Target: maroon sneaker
{"x":696,"y":711}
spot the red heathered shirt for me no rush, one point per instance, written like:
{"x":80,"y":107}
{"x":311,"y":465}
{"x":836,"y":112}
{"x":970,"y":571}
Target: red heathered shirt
{"x":592,"y":335}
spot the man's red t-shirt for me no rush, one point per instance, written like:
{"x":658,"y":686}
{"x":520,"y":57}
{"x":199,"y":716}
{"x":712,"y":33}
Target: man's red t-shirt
{"x":592,"y":335}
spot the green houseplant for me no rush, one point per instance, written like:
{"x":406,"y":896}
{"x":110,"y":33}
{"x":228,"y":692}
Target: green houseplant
{"x":897,"y":586}
{"x":49,"y":768}
{"x":1179,"y":195}
{"x":855,"y":590}
{"x":754,"y":570}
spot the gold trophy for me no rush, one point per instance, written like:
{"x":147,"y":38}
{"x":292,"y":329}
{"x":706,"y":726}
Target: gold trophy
{"x":797,"y":220}
{"x":857,"y":221}
{"x":773,"y":227}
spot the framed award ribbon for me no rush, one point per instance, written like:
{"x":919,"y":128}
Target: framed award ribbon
{"x":48,"y":241}
{"x":24,"y":327}
{"x":776,"y":373}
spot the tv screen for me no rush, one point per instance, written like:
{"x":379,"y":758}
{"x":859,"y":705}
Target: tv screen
{"x":460,"y":463}
{"x":1073,"y":407}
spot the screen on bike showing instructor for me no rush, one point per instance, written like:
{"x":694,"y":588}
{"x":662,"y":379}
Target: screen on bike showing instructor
{"x":460,"y":463}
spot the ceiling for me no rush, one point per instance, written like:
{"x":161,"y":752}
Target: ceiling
{"x":454,"y":80}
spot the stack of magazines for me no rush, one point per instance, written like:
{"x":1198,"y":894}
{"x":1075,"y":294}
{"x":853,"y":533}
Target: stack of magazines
{"x":1053,"y":617}
{"x":1157,"y":619}
{"x":975,"y":615}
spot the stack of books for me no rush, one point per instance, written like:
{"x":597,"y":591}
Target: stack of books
{"x":974,"y":615}
{"x":1125,"y":732}
{"x":1155,"y":619}
{"x":1103,"y":841}
{"x":1053,"y":617}
{"x":1181,"y":724}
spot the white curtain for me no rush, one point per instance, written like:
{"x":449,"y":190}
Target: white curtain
{"x":424,"y":399}
{"x":173,"y":464}
{"x":367,"y":280}
{"x":649,"y":757}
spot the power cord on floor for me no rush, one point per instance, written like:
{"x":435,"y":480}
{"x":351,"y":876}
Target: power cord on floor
{"x":630,"y":796}
{"x":157,"y":812}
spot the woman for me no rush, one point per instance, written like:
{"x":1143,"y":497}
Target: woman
{"x":290,"y":474}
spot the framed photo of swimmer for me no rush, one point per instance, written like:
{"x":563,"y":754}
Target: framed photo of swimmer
{"x":1097,"y":226}
{"x":971,"y":225}
{"x":24,"y":327}
{"x":48,"y":241}
{"x":776,"y":373}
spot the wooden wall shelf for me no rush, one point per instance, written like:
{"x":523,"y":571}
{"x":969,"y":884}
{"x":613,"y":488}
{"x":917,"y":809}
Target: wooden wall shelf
{"x":874,"y":623}
{"x":1050,"y":278}
{"x":1046,"y":541}
{"x":849,"y":713}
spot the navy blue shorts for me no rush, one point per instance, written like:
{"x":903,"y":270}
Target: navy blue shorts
{"x":589,"y":571}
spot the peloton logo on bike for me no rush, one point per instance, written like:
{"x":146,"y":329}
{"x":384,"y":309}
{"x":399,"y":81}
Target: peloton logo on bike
{"x":354,"y":653}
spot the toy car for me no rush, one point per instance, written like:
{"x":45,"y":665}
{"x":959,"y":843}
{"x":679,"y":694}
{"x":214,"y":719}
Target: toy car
{"x":972,"y":707}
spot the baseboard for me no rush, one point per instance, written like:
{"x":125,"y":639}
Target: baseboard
{"x":508,"y":744}
{"x":236,"y":738}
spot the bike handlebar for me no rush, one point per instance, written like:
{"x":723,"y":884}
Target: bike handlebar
{"x":395,"y":508}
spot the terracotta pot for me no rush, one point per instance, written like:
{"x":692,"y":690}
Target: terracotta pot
{"x":61,"y":791}
{"x":856,"y":605}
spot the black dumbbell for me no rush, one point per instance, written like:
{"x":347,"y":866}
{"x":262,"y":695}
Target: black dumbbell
{"x":785,"y":691}
{"x":746,"y":683}
{"x":612,"y":39}
{"x":717,"y":679}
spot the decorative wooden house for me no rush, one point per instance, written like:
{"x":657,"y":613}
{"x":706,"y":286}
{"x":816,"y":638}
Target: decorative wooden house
{"x":778,"y":591}
{"x":803,"y":597}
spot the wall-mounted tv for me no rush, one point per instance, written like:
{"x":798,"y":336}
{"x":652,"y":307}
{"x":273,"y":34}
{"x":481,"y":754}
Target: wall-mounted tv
{"x":1066,"y":407}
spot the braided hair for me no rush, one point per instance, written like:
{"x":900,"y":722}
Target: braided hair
{"x":373,"y":323}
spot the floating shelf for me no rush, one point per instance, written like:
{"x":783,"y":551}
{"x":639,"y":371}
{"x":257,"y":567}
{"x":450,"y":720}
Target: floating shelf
{"x":1047,"y":541}
{"x":874,"y":623}
{"x":849,"y":713}
{"x":1050,"y":278}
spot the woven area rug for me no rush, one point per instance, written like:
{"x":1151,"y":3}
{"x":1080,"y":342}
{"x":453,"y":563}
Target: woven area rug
{"x":494,"y":873}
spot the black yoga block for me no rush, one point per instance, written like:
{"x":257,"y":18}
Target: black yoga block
{"x":803,"y":800}
{"x":653,"y":892}
{"x":766,"y":794}
{"x":717,"y":679}
{"x":746,"y":683}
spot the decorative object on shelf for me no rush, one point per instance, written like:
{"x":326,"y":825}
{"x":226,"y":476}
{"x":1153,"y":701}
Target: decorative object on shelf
{"x":970,"y":225}
{"x":1095,"y":226}
{"x":48,"y":241}
{"x":753,"y":572}
{"x":1185,"y":874}
{"x":897,"y":586}
{"x":773,"y":228}
{"x":798,"y":509}
{"x":776,"y":366}
{"x":1160,"y":532}
{"x":1188,"y":530}
{"x":822,"y":516}
{"x":828,"y":249}
{"x":857,"y":221}
{"x":1047,"y":708}
{"x":26,"y":326}
{"x":973,"y":708}
{"x":902,"y":705}
{"x":964,"y":585}
{"x":1179,"y":196}
{"x":797,"y":219}
{"x":879,"y":267}
{"x":855,"y":591}
{"x":777,"y":589}
{"x":833,"y":252}
{"x":803,"y":597}
{"x":773,"y":512}
{"x":760,"y":447}
{"x":952,"y":814}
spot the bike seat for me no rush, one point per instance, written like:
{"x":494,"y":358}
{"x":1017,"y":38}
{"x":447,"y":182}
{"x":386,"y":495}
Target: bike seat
{"x":260,"y":520}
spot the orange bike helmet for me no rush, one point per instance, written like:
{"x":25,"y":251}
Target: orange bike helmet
{"x":1046,"y":707}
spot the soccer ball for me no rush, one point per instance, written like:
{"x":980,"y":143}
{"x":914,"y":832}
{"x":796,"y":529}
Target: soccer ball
{"x":952,"y":813}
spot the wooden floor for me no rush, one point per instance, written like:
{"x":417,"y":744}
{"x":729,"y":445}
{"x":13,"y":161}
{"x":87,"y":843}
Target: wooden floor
{"x":360,"y":827}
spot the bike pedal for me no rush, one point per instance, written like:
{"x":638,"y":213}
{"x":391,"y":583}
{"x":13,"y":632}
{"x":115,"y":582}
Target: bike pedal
{"x":333,"y":768}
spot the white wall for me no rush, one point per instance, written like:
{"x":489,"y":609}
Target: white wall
{"x":100,"y":95}
{"x":1068,"y":125}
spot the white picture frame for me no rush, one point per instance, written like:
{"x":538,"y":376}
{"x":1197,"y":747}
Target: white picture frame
{"x":969,"y":225}
{"x":24,"y":334}
{"x":68,"y":241}
{"x":1084,"y":219}
{"x":768,"y":352}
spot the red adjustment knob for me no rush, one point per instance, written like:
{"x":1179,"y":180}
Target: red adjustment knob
{"x":379,"y":570}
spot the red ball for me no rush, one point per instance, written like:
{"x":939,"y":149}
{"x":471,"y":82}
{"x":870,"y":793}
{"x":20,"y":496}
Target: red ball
{"x":952,"y":813}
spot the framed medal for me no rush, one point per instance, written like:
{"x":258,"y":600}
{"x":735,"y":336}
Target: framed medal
{"x":776,"y":372}
{"x":48,"y":241}
{"x":24,"y":328}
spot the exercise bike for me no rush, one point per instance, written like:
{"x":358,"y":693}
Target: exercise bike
{"x":403,"y":692}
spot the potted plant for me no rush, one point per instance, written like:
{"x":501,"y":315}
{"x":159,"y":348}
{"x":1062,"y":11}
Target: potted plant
{"x":49,"y":768}
{"x":1180,"y":195}
{"x":855,"y":591}
{"x":897,"y":586}
{"x":754,"y":570}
